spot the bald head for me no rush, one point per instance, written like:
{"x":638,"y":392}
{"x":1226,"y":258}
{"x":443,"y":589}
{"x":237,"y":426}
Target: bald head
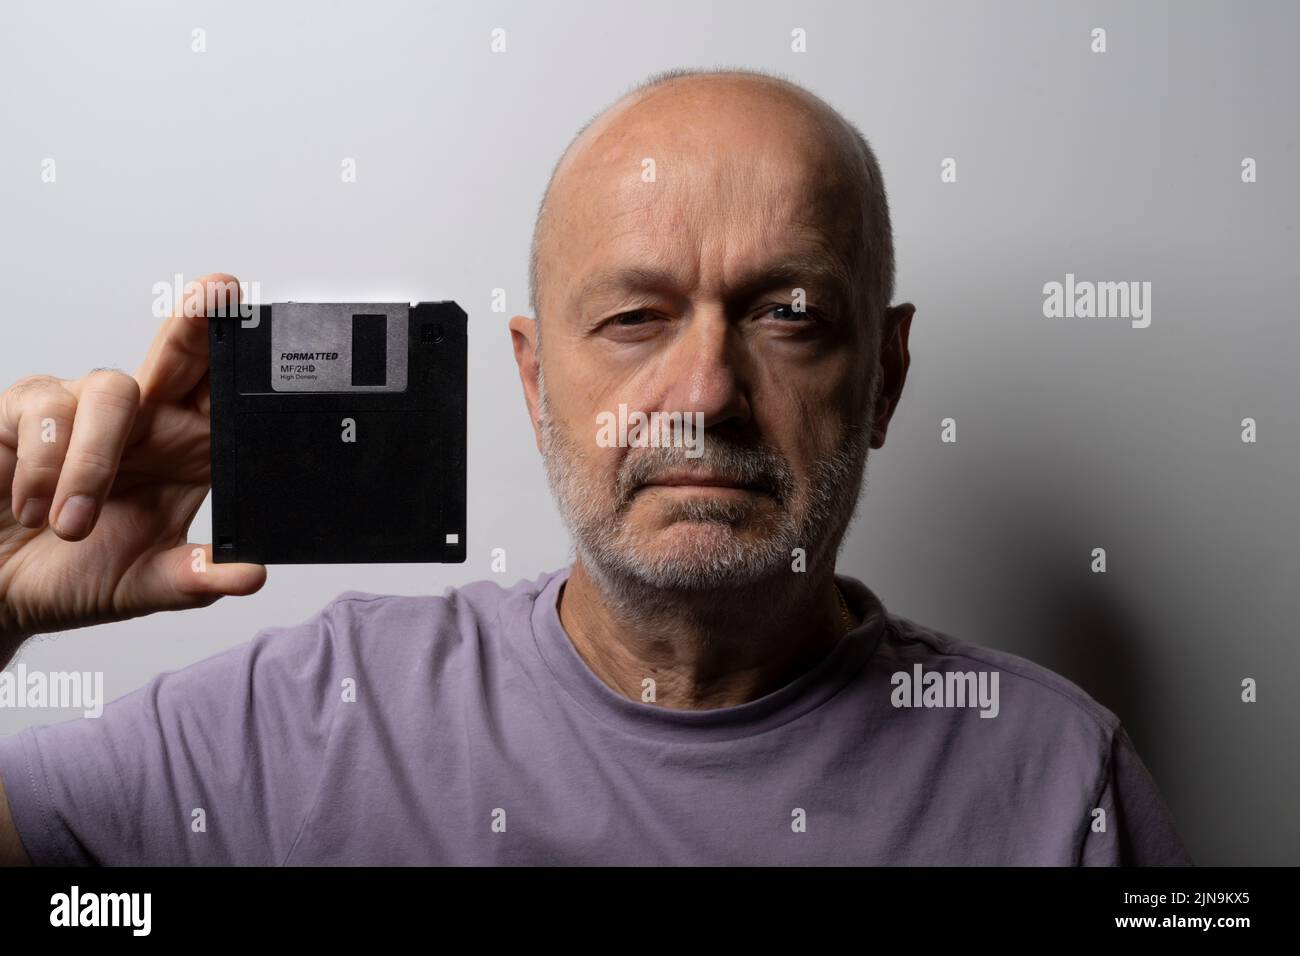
{"x":728,"y":122}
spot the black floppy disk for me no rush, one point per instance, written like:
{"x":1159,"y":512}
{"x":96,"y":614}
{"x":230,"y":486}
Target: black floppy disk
{"x":338,"y":433}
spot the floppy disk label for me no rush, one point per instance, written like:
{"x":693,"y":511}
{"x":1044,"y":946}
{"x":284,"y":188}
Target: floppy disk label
{"x":338,"y":347}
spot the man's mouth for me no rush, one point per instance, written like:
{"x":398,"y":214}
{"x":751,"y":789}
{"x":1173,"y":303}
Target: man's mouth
{"x":704,"y":481}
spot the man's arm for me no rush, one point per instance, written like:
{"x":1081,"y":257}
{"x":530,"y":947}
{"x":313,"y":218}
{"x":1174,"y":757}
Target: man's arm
{"x":216,"y":763}
{"x":1139,"y":829}
{"x":63,"y":443}
{"x":12,"y":851}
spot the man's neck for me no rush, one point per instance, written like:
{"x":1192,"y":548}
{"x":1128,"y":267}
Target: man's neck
{"x":703,"y":650}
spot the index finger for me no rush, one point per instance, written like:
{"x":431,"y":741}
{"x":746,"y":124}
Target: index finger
{"x":178,"y":357}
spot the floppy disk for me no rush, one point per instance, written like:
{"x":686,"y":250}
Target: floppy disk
{"x":338,"y":433}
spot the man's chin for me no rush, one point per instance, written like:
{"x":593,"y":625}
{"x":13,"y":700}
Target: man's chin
{"x":689,"y":555}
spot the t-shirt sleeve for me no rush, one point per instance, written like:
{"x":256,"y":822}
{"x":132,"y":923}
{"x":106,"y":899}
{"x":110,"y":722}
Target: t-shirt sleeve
{"x":1139,"y":829}
{"x":217,"y":763}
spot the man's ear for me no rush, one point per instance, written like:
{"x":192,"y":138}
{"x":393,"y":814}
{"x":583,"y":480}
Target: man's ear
{"x":894,"y":362}
{"x":523,"y":334}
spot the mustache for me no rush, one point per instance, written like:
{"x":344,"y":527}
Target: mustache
{"x":757,"y":465}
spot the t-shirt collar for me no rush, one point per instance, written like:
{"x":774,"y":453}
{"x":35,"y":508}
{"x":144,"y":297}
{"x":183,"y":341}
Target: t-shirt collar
{"x":796,"y":698}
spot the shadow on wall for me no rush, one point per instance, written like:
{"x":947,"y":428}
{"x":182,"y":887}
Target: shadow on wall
{"x":1095,"y":643}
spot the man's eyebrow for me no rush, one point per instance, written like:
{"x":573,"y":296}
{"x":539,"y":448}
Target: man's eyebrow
{"x":626,"y":279}
{"x":813,"y":272}
{"x":800,"y":270}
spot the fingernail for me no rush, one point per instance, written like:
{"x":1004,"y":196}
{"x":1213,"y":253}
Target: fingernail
{"x":74,"y":519}
{"x":34,"y":512}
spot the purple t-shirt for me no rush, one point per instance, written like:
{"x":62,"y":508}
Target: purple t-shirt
{"x":466,"y":729}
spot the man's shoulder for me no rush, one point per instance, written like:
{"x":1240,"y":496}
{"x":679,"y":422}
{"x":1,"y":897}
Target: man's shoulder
{"x":1059,"y":753}
{"x":485,"y":596}
{"x":1034,"y":698}
{"x":387,"y":633}
{"x":462,"y":608}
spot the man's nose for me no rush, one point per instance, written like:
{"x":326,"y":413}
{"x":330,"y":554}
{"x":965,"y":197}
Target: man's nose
{"x":707,"y":370}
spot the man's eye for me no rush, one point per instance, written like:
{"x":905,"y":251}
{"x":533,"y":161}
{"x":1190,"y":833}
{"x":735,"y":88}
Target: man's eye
{"x":629,"y":319}
{"x":789,"y":312}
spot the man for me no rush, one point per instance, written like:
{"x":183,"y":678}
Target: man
{"x":698,"y":687}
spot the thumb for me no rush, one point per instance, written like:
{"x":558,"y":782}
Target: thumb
{"x":186,"y":576}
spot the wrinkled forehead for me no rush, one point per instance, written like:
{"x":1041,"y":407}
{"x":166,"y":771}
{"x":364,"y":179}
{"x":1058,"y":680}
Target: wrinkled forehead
{"x":717,"y":189}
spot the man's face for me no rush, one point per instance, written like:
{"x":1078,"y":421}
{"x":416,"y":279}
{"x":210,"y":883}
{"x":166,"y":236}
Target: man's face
{"x":672,"y":288}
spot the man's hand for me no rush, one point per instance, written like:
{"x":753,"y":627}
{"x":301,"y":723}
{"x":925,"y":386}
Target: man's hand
{"x":100,"y":478}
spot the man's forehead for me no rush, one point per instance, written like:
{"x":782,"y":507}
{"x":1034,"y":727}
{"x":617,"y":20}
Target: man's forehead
{"x":738,"y":213}
{"x":610,"y":275}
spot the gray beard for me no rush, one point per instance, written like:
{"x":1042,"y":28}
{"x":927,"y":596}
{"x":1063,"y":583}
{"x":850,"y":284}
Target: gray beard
{"x":634,"y":576}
